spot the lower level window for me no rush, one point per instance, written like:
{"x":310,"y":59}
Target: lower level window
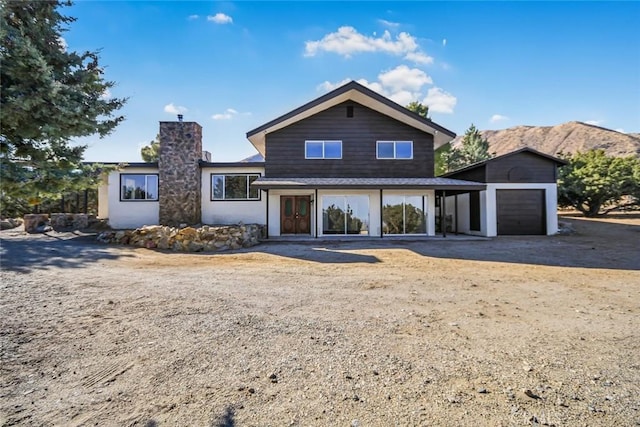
{"x":345,"y":215}
{"x":403,"y":214}
{"x":138,"y":187}
{"x":234,"y":187}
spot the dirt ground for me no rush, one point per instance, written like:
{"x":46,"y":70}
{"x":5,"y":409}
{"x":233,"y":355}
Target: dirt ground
{"x":499,"y":332}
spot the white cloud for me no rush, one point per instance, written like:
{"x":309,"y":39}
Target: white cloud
{"x":193,"y":17}
{"x":174,"y":109}
{"x":327,"y":86}
{"x":402,"y":97}
{"x":222,"y":116}
{"x":228,"y":114}
{"x":403,"y":85}
{"x":404,"y":78}
{"x":620,"y":130}
{"x":347,"y":41}
{"x":594,"y":122}
{"x":440,"y":101}
{"x":389,"y":23}
{"x":498,"y":118}
{"x":419,"y":58}
{"x":444,"y":42}
{"x":220,"y":18}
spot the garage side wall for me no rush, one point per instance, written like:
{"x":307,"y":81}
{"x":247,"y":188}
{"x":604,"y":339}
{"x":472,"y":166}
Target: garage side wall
{"x":460,"y":214}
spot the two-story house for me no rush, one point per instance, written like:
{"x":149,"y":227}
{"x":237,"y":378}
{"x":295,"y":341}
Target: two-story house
{"x":350,"y":163}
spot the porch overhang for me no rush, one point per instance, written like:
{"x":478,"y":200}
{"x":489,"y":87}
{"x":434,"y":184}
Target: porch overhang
{"x":448,"y":184}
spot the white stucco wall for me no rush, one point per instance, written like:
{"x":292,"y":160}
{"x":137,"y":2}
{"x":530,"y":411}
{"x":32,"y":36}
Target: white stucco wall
{"x":130,"y":213}
{"x":374,"y":207}
{"x":103,"y":198}
{"x":232,"y":211}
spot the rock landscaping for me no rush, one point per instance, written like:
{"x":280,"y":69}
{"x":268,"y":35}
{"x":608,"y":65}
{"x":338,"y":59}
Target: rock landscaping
{"x":188,"y":239}
{"x":9,"y":223}
{"x":70,"y":222}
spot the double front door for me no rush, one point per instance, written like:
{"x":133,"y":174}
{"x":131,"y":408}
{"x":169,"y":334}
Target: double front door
{"x":295,"y":214}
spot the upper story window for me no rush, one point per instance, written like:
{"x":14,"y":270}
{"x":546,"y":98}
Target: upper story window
{"x":395,"y":150}
{"x":234,"y":187}
{"x":323,"y":149}
{"x":138,"y":186}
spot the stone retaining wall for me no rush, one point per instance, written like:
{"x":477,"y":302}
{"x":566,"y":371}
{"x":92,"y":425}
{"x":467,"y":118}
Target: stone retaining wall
{"x":188,"y":239}
{"x":70,"y":222}
{"x":36,"y":223}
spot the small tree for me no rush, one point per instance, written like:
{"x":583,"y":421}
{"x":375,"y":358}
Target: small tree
{"x":442,"y":159}
{"x":473,"y":148}
{"x":418,"y":108}
{"x":334,"y":219}
{"x":150,"y":153}
{"x":594,"y":182}
{"x":634,"y":191}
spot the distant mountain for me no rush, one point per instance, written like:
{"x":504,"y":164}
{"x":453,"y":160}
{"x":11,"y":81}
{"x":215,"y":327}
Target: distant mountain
{"x":252,"y":159}
{"x":567,"y":138}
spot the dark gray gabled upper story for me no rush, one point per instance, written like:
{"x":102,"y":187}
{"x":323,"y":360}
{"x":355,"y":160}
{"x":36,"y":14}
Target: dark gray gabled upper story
{"x":525,"y":165}
{"x":350,"y":132}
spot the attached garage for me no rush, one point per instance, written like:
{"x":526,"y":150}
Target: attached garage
{"x":520,"y":198}
{"x":521,"y":212}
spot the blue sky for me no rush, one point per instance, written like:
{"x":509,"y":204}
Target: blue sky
{"x":232,"y":66}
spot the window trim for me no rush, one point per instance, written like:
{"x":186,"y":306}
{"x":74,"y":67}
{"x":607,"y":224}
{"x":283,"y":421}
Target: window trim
{"x":157,"y":175}
{"x":306,"y":144}
{"x":247,"y":174}
{"x":395,"y":151}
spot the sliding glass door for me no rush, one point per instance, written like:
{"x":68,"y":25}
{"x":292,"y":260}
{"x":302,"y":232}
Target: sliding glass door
{"x":345,"y":215}
{"x":402,"y":214}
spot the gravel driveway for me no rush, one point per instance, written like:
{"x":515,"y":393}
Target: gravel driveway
{"x":508,"y":331}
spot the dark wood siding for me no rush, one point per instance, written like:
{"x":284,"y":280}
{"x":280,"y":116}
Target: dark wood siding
{"x":475,"y":174}
{"x":474,"y":210}
{"x":521,"y":167}
{"x":521,"y":212}
{"x":285,"y":155}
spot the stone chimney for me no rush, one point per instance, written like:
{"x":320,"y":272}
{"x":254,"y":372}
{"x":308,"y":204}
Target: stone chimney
{"x":179,"y":187}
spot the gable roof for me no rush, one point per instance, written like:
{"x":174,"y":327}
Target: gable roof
{"x":558,"y":161}
{"x":352,"y":91}
{"x":377,"y":183}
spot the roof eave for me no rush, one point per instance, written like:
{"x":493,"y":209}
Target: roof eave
{"x":292,"y":186}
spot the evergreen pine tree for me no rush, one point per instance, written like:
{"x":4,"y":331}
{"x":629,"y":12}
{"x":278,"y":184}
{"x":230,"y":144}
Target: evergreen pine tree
{"x":49,"y":96}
